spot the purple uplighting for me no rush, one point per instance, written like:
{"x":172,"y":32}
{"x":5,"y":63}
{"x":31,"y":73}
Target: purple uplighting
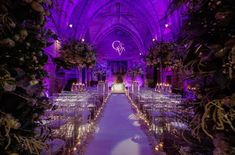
{"x":117,"y":37}
{"x":117,"y":77}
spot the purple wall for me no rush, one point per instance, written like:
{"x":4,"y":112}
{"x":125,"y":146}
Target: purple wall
{"x":134,"y":23}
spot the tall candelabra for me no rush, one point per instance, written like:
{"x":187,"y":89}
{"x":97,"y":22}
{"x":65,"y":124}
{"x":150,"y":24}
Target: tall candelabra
{"x":163,"y":88}
{"x":78,"y":87}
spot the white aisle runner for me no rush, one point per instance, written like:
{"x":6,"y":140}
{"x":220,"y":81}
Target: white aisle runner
{"x":119,"y":132}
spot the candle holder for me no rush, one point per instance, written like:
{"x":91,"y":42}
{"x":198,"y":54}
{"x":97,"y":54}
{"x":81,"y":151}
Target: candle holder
{"x":163,"y":88}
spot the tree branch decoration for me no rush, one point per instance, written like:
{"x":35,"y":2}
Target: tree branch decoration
{"x":77,"y":53}
{"x":22,"y":40}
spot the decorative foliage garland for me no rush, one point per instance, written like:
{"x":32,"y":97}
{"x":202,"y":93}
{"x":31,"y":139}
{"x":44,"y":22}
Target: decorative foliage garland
{"x":22,"y":39}
{"x":77,"y":53}
{"x":210,"y":62}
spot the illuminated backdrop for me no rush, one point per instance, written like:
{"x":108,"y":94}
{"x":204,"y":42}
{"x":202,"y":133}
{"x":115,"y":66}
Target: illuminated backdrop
{"x":136,"y":23}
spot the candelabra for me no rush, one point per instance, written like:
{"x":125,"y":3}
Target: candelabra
{"x":163,"y":88}
{"x":78,"y":87}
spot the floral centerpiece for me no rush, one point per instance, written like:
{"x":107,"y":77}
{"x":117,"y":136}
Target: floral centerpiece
{"x":22,"y":39}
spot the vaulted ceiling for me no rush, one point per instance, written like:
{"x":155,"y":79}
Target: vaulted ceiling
{"x":95,"y":20}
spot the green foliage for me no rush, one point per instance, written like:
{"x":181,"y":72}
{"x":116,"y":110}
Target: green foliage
{"x":208,"y":35}
{"x":76,"y":53}
{"x":22,"y":39}
{"x":160,"y":54}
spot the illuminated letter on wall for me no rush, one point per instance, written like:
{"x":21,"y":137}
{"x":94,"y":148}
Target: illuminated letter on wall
{"x":118,"y":46}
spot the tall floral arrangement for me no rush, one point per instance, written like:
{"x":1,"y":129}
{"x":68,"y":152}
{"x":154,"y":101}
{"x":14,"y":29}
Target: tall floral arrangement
{"x":77,"y":53}
{"x":209,"y":41}
{"x":160,"y":54}
{"x":135,"y":70}
{"x":22,"y":39}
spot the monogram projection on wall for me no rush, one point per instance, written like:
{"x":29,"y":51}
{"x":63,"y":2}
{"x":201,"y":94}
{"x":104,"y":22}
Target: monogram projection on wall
{"x":118,"y":46}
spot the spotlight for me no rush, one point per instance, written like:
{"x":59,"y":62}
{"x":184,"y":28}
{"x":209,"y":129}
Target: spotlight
{"x":70,"y":25}
{"x":166,"y":25}
{"x":140,"y":54}
{"x":153,"y":39}
{"x":83,"y":39}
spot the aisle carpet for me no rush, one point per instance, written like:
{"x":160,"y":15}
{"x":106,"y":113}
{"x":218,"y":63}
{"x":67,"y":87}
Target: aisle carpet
{"x":118,"y":132}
